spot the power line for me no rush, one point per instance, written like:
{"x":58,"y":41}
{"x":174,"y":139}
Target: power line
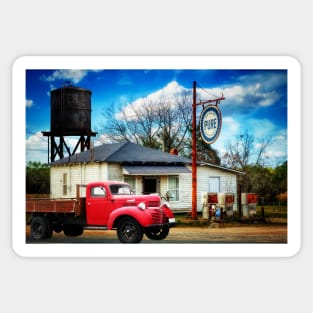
{"x":207,"y":92}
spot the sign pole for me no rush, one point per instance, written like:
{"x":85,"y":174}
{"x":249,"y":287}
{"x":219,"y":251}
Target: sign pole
{"x":194,"y":155}
{"x":214,"y":124}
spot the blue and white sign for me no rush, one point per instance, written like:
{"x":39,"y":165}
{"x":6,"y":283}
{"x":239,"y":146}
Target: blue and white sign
{"x":210,"y":123}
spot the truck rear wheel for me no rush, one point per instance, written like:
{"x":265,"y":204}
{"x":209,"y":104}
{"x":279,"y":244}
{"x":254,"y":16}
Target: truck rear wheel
{"x":73,"y":230}
{"x":129,"y":231}
{"x":40,"y":228}
{"x":159,"y":234}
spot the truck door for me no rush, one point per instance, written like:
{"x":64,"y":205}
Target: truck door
{"x":97,"y":206}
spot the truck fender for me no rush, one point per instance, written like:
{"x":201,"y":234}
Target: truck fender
{"x":133,"y":211}
{"x":167,"y":211}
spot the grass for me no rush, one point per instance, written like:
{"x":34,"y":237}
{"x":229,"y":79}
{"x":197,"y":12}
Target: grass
{"x":184,"y":219}
{"x":272,"y":211}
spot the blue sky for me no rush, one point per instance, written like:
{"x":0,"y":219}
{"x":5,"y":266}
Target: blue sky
{"x":255,"y":101}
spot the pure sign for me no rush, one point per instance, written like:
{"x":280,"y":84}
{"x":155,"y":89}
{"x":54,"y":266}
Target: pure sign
{"x":210,"y":123}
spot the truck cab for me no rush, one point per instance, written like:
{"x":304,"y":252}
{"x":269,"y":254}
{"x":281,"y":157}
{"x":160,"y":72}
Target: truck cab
{"x":114,"y":205}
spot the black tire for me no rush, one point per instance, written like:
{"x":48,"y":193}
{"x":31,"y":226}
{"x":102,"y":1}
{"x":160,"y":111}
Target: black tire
{"x":39,"y":228}
{"x":57,"y":227}
{"x":73,"y":230}
{"x":49,"y":230}
{"x":129,"y":231}
{"x":159,"y":234}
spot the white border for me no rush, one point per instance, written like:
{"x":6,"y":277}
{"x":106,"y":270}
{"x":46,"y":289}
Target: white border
{"x":156,"y":62}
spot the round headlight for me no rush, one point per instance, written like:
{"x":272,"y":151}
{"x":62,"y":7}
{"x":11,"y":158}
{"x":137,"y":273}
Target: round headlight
{"x":142,"y":206}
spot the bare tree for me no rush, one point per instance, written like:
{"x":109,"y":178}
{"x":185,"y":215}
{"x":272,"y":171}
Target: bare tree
{"x":244,"y":152}
{"x":175,"y":120}
{"x":245,"y":155}
{"x":161,"y":124}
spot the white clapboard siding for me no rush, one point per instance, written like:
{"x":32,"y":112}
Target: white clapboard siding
{"x":75,"y":174}
{"x":163,"y":185}
{"x":228,"y":181}
{"x":56,"y":182}
{"x":115,"y":171}
{"x":138,"y":185}
{"x":185,"y":193}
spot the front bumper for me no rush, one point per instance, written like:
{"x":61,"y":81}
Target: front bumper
{"x":156,"y":227}
{"x":172,"y":222}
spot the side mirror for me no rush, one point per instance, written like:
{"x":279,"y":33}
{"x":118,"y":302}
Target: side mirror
{"x":168,"y":196}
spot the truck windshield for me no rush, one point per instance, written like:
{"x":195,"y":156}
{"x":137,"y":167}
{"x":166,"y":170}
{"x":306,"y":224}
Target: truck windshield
{"x":119,"y":189}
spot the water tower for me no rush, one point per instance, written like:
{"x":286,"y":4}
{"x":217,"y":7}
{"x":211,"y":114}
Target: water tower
{"x":70,"y":115}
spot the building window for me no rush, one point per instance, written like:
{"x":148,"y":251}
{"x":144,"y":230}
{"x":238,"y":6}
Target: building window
{"x":214,"y":184}
{"x":173,"y":188}
{"x":64,"y":184}
{"x":131,"y":180}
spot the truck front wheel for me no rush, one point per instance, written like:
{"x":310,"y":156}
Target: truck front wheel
{"x":129,"y":231}
{"x":159,"y":234}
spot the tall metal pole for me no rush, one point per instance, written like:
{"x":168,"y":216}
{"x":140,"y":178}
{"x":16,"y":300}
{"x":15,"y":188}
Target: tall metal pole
{"x":194,"y":147}
{"x":194,"y":154}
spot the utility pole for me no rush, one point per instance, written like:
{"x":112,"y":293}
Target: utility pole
{"x":194,"y":154}
{"x":194,"y":147}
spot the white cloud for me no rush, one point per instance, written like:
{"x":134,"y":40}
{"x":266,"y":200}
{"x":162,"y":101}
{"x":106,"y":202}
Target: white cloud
{"x":238,"y":98}
{"x":74,"y":76}
{"x":29,"y":103}
{"x":260,"y":128}
{"x":250,"y":96}
{"x":168,"y":94}
{"x":102,"y":139}
{"x":37,"y":147}
{"x":230,"y":125}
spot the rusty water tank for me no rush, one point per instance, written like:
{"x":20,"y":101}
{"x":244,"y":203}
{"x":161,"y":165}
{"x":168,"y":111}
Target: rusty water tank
{"x":70,"y":111}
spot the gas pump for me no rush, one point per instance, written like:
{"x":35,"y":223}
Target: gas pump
{"x":252,"y":202}
{"x":204,"y":203}
{"x":212,"y":203}
{"x":229,"y":204}
{"x":226,"y":204}
{"x":249,"y":202}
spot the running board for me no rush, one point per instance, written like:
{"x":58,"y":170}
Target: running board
{"x":96,"y":227}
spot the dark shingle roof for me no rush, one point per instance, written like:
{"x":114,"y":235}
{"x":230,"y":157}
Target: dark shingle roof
{"x":126,"y":152}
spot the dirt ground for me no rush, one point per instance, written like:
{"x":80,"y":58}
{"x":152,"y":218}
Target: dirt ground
{"x":232,"y":234}
{"x":273,"y":232}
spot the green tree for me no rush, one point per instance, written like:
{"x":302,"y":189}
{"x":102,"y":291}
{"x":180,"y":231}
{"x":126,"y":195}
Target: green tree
{"x":37,"y":178}
{"x":280,"y":179}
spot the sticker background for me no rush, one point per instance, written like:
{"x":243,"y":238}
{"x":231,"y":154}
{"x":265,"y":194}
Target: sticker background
{"x":158,"y":28}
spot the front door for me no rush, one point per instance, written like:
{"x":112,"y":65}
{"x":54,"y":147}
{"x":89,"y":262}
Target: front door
{"x":98,"y":206}
{"x":150,"y":185}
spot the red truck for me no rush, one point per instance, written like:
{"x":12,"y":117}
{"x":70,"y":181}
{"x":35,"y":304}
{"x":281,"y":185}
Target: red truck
{"x":101,"y":205}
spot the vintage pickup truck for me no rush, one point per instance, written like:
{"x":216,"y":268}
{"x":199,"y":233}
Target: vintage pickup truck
{"x":105,"y":205}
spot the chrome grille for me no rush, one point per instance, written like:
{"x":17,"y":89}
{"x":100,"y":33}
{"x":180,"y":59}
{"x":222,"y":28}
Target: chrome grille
{"x":156,"y":216}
